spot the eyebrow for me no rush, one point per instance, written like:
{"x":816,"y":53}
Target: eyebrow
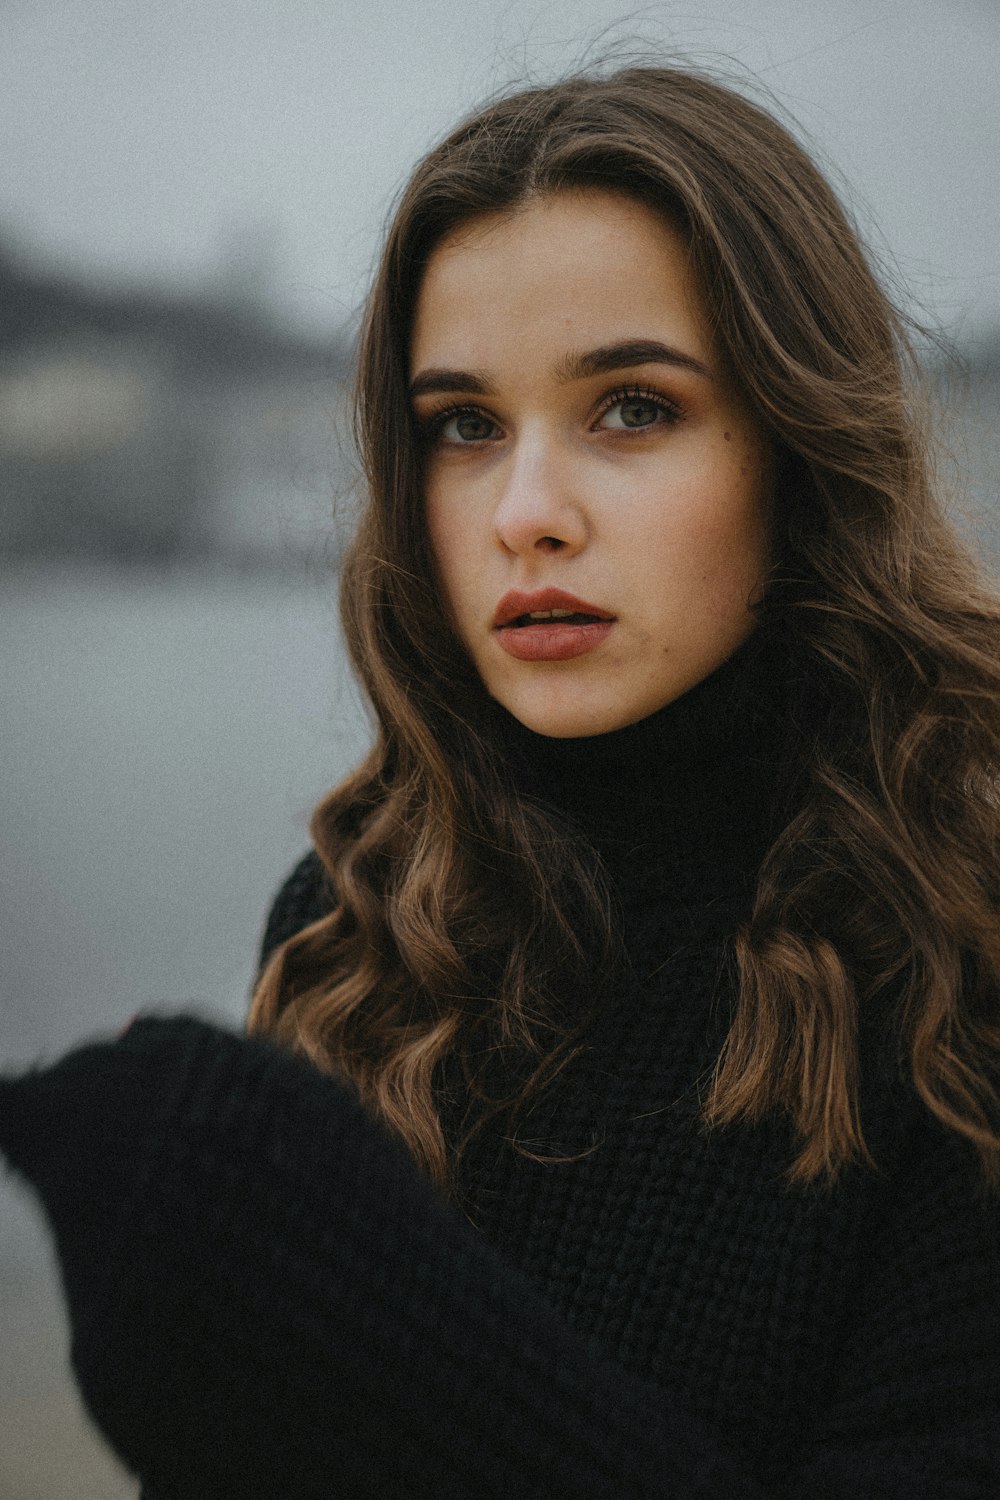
{"x":602,"y":361}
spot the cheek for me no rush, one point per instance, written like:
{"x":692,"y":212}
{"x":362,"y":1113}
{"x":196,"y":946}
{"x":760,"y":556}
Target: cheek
{"x":739,"y":506}
{"x":716,"y":545}
{"x":440,"y":528}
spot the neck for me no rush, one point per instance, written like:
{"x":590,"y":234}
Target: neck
{"x":683,"y":804}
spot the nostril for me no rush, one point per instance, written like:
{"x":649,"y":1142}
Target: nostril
{"x":551,"y":543}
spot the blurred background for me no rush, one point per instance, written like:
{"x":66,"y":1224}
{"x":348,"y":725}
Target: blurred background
{"x":191,"y":198}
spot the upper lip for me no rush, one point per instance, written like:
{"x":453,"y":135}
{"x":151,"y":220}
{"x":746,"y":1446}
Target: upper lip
{"x":515,"y":603}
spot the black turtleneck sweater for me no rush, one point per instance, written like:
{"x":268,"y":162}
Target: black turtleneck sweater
{"x":267,"y":1300}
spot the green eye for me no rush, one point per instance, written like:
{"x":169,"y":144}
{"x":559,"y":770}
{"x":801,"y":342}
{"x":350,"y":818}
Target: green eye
{"x":633,"y":410}
{"x":638,"y":413}
{"x":468,"y":426}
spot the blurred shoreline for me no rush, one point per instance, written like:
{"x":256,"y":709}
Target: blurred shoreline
{"x":154,"y":430}
{"x":173,"y":503}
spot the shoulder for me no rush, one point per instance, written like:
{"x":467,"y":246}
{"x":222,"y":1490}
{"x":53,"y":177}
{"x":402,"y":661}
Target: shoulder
{"x":304,"y":897}
{"x":939,"y":1239}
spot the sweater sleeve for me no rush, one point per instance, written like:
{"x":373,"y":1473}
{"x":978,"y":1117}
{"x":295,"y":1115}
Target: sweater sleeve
{"x":267,"y":1299}
{"x":304,"y":897}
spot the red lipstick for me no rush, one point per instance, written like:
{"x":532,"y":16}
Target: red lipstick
{"x":549,"y":625}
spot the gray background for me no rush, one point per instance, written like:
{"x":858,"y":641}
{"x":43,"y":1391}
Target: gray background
{"x":169,"y":139}
{"x":174,"y":707}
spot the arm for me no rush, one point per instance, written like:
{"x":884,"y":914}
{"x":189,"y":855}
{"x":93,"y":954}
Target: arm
{"x":267,"y":1299}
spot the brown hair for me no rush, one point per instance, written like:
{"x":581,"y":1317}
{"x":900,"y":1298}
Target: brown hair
{"x":448,"y":943}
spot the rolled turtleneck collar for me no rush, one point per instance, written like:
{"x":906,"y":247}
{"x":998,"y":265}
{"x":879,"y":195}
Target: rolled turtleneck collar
{"x":683,"y":804}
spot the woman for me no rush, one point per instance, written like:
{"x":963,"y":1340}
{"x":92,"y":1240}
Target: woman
{"x":652,"y":951}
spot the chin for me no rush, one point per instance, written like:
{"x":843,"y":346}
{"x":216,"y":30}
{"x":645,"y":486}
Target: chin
{"x":575,"y":720}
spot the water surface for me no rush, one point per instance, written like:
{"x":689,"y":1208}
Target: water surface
{"x":165,"y":737}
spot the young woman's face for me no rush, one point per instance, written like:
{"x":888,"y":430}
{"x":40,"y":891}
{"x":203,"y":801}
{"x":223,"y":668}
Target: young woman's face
{"x":598,"y":497}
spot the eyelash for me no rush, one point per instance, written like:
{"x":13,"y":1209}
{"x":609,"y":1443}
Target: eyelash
{"x":670,"y":410}
{"x":431,"y":426}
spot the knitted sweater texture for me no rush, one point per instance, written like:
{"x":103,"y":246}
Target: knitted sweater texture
{"x":267,"y":1300}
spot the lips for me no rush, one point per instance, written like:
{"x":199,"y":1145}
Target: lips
{"x":549,"y":625}
{"x":516,"y":608}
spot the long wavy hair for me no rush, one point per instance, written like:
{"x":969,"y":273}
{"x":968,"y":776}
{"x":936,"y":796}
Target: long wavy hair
{"x":455,"y":937}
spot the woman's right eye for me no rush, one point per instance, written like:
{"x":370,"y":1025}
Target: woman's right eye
{"x":465,"y":424}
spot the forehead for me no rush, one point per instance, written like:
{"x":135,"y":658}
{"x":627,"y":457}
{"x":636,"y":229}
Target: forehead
{"x":569,"y":269}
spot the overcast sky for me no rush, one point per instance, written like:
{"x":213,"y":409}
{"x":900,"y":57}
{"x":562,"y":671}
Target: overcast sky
{"x":162,"y":140}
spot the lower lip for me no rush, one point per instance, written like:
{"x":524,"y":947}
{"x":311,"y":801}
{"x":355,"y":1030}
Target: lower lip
{"x":553,"y":641}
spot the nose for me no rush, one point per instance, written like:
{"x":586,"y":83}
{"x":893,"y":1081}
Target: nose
{"x":538,"y":510}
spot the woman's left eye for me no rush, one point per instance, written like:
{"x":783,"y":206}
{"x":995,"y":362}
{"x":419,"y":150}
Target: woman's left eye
{"x":630,"y":411}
